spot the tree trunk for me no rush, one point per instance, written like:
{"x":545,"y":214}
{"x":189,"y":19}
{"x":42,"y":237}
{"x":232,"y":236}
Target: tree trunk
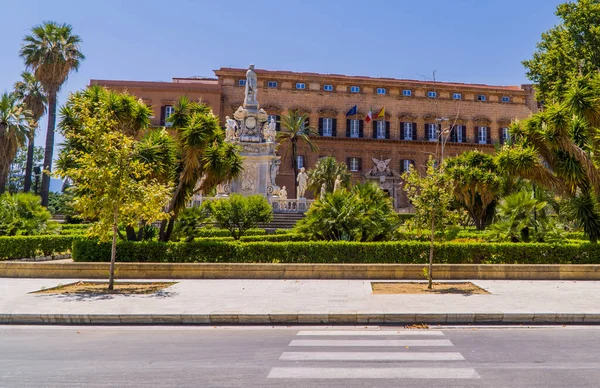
{"x":295,"y":166}
{"x":430,"y":272}
{"x":29,"y":163}
{"x":49,"y":150}
{"x":131,"y":235}
{"x":4,"y":170}
{"x":113,"y":250}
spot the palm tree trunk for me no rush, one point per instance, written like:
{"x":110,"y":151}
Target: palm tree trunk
{"x":49,"y":151}
{"x":295,"y":166}
{"x":3,"y":176}
{"x":29,"y":163}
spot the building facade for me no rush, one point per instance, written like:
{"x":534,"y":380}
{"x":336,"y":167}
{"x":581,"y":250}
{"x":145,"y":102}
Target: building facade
{"x":473,"y":116}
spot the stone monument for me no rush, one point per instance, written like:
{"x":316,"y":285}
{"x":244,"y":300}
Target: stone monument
{"x":256,"y":138}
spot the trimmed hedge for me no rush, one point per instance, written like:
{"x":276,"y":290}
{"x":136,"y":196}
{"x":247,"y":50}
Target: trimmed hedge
{"x":20,"y":247}
{"x":338,"y":252}
{"x":215,"y":232}
{"x":274,"y":238}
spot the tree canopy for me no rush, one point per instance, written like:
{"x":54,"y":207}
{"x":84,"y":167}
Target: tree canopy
{"x":570,"y":48}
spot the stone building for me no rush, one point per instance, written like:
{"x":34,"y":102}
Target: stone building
{"x":475,"y":116}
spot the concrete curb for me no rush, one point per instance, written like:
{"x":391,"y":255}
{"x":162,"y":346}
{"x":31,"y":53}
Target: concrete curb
{"x":294,"y":319}
{"x":299,"y":271}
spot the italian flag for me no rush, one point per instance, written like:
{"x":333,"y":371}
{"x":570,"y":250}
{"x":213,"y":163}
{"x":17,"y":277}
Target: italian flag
{"x":369,"y":116}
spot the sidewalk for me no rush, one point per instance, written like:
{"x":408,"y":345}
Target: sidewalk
{"x":303,"y":301}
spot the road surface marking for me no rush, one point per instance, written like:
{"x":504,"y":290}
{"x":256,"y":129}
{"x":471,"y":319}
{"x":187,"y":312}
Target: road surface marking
{"x":371,"y":356}
{"x":361,"y":343}
{"x":370,"y":332}
{"x":373,"y":373}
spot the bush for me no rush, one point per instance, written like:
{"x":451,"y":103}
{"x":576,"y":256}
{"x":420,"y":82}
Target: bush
{"x":364,"y":213}
{"x":274,"y":238}
{"x":20,"y":247}
{"x":215,"y":232}
{"x":337,"y":252}
{"x":22,"y":214}
{"x":238,"y":213}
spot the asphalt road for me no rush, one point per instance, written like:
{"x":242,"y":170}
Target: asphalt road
{"x":54,"y":356}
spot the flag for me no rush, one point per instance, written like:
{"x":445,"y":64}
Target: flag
{"x":380,"y":114}
{"x":369,"y":116}
{"x":352,"y":111}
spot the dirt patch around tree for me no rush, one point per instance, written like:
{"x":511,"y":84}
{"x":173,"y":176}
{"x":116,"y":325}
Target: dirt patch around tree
{"x":464,"y":288}
{"x":139,"y":288}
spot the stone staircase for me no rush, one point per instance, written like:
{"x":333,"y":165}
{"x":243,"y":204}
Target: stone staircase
{"x":282,"y":221}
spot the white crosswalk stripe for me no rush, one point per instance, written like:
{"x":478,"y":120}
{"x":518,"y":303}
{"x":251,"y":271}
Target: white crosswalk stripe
{"x":395,"y":340}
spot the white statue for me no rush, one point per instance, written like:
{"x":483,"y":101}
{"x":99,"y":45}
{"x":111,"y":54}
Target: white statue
{"x":270,"y":130}
{"x":251,"y":87}
{"x":337,"y":185}
{"x":274,"y":170}
{"x":230,"y":128}
{"x":283,"y":193}
{"x":302,"y":180}
{"x":323,"y":191}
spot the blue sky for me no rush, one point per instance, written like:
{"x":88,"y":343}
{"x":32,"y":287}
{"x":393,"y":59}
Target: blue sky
{"x":475,"y":41}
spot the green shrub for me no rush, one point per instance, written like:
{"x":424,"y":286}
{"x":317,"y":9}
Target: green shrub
{"x":338,"y":252}
{"x":22,"y":214}
{"x":238,"y":213}
{"x":215,"y":232}
{"x":274,"y":238}
{"x":20,"y":247}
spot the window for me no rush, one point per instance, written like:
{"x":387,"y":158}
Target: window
{"x":300,"y":85}
{"x":408,"y":131}
{"x":505,"y":99}
{"x":407,"y":93}
{"x":481,"y":97}
{"x":457,"y":96}
{"x":328,"y":88}
{"x":380,"y":129}
{"x":327,"y":127}
{"x":432,"y":132}
{"x":168,"y":112}
{"x":381,"y":91}
{"x":354,"y":128}
{"x":482,"y":135}
{"x":242,"y":82}
{"x":458,"y":130}
{"x":505,"y":135}
{"x":300,"y":161}
{"x":406,"y":165}
{"x":432,"y":94}
{"x":272,"y":84}
{"x":354,"y":164}
{"x":354,"y":89}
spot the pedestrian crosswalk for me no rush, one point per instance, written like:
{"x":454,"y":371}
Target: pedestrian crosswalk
{"x":373,"y":354}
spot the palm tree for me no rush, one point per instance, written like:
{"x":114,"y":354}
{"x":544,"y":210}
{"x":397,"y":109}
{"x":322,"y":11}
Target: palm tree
{"x":204,"y":158}
{"x":30,"y":91}
{"x":325,"y":171}
{"x":294,"y":130}
{"x":14,"y":126}
{"x":556,"y":149}
{"x":51,"y":52}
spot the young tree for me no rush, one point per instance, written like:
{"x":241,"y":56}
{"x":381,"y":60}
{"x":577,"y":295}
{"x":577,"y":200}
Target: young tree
{"x":325,"y":171}
{"x":570,"y":48}
{"x":14,"y":126}
{"x":238,"y":213}
{"x":30,"y":91}
{"x":431,"y":196}
{"x":18,"y":169}
{"x":113,"y":183}
{"x":51,"y":51}
{"x":295,"y":131}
